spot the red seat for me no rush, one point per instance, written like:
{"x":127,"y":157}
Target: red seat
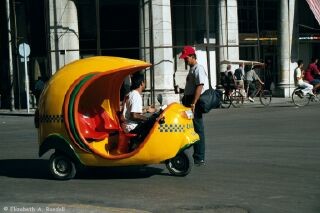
{"x":96,"y":124}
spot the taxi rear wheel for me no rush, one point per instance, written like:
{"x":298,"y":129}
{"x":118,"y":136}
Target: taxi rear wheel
{"x":61,"y":167}
{"x":181,"y":164}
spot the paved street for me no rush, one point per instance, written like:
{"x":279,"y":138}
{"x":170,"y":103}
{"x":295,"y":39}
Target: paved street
{"x":259,"y":160}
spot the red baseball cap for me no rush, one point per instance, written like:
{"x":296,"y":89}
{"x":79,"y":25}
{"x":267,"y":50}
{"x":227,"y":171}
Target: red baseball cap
{"x":187,"y":50}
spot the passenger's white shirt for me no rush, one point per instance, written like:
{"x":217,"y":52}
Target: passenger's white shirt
{"x":297,"y":73}
{"x":133,"y":103}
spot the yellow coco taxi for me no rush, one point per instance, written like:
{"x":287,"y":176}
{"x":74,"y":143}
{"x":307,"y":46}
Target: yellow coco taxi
{"x":78,"y":119}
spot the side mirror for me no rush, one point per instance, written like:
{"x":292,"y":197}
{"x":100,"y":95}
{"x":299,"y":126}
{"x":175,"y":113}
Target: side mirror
{"x":161,"y":120}
{"x":159,"y":98}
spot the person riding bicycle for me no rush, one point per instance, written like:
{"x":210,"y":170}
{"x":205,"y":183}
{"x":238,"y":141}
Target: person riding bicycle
{"x":306,"y":88}
{"x":250,"y":79}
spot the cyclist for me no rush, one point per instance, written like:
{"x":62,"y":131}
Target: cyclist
{"x":250,"y":79}
{"x":298,"y":80}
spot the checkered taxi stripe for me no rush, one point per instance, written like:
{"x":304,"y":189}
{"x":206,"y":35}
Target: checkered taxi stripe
{"x":171,"y":128}
{"x":51,"y":118}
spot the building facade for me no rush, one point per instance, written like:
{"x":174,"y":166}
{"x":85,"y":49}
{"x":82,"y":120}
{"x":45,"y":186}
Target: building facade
{"x":277,"y":32}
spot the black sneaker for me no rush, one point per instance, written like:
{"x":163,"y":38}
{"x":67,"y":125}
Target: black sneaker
{"x":199,"y":163}
{"x":299,"y":93}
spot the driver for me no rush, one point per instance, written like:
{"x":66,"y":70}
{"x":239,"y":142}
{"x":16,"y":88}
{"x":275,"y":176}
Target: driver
{"x":250,"y":79}
{"x":135,"y":118}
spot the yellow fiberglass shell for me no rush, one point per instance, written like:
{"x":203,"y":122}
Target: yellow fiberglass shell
{"x":95,"y":82}
{"x":51,"y":106}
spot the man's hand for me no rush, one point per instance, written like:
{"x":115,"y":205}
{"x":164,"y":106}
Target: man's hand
{"x":150,"y":109}
{"x":193,"y":106}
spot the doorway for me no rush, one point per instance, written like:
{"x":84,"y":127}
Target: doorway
{"x":119,"y":28}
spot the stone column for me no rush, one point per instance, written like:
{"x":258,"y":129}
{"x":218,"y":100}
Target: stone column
{"x":162,"y":41}
{"x":228,"y":33}
{"x":64,"y":33}
{"x":286,"y":49}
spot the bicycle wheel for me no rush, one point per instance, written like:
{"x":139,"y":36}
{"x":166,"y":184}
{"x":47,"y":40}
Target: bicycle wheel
{"x":237,"y":98}
{"x":265,"y":97}
{"x":299,"y":99}
{"x":225,"y":101}
{"x":316,"y":97}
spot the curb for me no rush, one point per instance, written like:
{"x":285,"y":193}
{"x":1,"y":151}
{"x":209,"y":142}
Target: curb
{"x":24,"y":112}
{"x":17,"y":112}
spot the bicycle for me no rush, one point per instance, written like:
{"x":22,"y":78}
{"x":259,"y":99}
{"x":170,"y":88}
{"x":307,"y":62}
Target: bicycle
{"x":299,"y":99}
{"x":225,"y":101}
{"x":237,"y":97}
{"x":265,"y":96}
{"x":234,"y":97}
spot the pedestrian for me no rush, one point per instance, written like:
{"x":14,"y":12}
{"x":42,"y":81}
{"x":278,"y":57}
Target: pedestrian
{"x":298,"y":80}
{"x":196,"y":83}
{"x":269,"y":85}
{"x":38,"y":87}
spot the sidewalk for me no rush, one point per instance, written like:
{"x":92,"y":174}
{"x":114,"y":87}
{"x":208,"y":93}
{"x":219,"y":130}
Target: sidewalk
{"x":274,"y":101}
{"x":17,"y":112}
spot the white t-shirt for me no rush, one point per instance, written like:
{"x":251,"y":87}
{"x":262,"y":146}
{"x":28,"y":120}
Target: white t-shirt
{"x":133,"y":103}
{"x":297,"y":73}
{"x":197,"y":75}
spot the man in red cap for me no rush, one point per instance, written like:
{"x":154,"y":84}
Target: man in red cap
{"x":196,"y":83}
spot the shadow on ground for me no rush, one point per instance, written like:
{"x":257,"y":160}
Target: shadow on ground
{"x":39,"y":169}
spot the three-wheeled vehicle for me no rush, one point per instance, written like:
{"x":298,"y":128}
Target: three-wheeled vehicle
{"x":241,"y":90}
{"x":78,"y":118}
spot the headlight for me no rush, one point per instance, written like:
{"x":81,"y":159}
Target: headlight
{"x":187,"y":114}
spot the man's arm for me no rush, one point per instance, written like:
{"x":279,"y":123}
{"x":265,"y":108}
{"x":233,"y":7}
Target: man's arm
{"x":138,"y":116}
{"x":301,"y":75}
{"x":257,"y":77}
{"x":196,"y":96}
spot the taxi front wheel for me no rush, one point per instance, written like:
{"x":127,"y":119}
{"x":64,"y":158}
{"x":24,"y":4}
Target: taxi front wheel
{"x":181,"y":164}
{"x":61,"y":167}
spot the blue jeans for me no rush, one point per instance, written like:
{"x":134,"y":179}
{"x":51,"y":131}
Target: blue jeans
{"x":199,"y":147}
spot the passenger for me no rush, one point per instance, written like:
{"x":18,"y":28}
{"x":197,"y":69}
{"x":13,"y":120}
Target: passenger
{"x":239,"y":76}
{"x":134,"y":117}
{"x":251,"y":78}
{"x":229,"y":83}
{"x":312,"y":74}
{"x":298,"y":80}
